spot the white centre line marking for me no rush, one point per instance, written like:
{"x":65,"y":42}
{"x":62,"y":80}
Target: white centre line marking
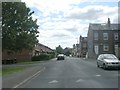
{"x":79,"y":80}
{"x":98,"y":75}
{"x":29,"y":78}
{"x":53,"y":81}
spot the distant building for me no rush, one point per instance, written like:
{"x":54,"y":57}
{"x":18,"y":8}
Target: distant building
{"x":67,"y":51}
{"x":103,"y":38}
{"x":40,"y":48}
{"x":82,"y":46}
{"x":75,"y":51}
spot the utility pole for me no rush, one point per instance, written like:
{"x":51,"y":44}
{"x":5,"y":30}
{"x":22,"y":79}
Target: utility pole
{"x":77,"y":47}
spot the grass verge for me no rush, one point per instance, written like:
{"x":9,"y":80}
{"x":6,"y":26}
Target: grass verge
{"x":29,"y":62}
{"x":0,"y":73}
{"x":11,"y":70}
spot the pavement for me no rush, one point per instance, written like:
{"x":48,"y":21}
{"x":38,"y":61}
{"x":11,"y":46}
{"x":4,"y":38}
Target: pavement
{"x":69,"y":73}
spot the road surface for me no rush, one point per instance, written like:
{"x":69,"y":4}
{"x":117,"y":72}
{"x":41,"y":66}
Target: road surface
{"x":72,"y":73}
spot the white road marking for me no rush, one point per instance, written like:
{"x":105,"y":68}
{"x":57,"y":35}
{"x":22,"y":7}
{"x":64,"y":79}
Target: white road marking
{"x":98,"y":75}
{"x":29,"y":78}
{"x":79,"y":80}
{"x":53,"y":81}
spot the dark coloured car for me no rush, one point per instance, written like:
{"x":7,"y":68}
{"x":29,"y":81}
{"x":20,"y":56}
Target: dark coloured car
{"x":60,"y":57}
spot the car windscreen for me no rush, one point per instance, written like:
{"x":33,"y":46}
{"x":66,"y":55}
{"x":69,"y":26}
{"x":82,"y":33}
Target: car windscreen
{"x":109,"y":56}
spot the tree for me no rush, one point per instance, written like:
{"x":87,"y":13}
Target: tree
{"x":67,"y":51}
{"x":59,"y":50}
{"x":19,"y":30}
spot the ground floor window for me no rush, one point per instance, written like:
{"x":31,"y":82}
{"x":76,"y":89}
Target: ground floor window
{"x":105,"y":47}
{"x":116,"y":49}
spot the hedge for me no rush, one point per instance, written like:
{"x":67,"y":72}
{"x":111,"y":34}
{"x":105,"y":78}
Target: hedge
{"x":43,"y":57}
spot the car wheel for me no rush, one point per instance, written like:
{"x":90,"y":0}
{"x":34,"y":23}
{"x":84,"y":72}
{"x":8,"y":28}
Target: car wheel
{"x":98,"y":65}
{"x":104,"y":66}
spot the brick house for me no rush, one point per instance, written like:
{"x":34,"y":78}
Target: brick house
{"x":103,"y":38}
{"x":83,"y":46}
{"x":40,"y":48}
{"x":26,"y":55}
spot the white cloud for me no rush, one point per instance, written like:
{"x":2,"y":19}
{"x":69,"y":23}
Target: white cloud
{"x":51,"y":5}
{"x":62,"y":21}
{"x":56,"y":37}
{"x":93,"y":12}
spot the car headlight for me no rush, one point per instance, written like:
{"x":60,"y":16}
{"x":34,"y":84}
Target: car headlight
{"x":108,"y":63}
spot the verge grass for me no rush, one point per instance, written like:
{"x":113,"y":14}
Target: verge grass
{"x":11,"y":70}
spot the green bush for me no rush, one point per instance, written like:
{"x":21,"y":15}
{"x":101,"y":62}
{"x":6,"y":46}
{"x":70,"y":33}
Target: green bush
{"x":43,"y":57}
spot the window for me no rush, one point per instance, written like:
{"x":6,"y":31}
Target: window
{"x":105,"y":36}
{"x":95,"y":36}
{"x":116,"y":36}
{"x":116,"y":46}
{"x":116,"y":49}
{"x":105,"y":48}
{"x":100,"y":56}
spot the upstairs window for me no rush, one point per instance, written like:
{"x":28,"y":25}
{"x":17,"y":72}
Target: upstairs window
{"x":105,"y":36}
{"x":95,"y":35}
{"x":115,"y":36}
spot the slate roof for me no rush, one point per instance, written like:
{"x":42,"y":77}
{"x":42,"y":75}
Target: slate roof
{"x":46,"y":46}
{"x":103,"y":26}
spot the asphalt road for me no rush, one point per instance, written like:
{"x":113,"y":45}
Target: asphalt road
{"x":72,"y":73}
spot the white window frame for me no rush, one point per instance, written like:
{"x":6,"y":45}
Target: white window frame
{"x":115,"y":36}
{"x":105,"y":36}
{"x":105,"y":47}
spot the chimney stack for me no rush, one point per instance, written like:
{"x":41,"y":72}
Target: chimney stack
{"x":108,"y":23}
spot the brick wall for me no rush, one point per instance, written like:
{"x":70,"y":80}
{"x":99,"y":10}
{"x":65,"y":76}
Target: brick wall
{"x":24,"y":55}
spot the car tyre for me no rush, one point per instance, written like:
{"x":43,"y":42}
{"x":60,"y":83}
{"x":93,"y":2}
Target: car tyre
{"x":98,"y":65}
{"x":104,"y":66}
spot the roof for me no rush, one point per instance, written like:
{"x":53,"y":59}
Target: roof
{"x":103,"y":26}
{"x":45,"y":46}
{"x":84,"y":38}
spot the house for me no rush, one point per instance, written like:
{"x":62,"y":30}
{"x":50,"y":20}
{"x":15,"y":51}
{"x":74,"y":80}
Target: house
{"x":67,"y":51}
{"x":83,"y":46}
{"x":26,"y":55}
{"x":40,"y":48}
{"x":103,"y":38}
{"x":75,"y":51}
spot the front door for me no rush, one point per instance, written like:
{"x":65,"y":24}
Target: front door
{"x":96,"y":49}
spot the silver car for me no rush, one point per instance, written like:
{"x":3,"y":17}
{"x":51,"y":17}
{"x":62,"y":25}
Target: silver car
{"x":108,"y":61}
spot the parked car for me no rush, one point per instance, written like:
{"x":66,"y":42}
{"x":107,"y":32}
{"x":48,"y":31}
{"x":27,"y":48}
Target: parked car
{"x":108,"y":61}
{"x":60,"y":57}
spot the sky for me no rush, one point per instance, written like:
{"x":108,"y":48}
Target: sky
{"x":61,"y":22}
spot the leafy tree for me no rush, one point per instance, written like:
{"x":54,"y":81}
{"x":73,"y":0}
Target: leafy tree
{"x":19,"y":30}
{"x":59,"y":49}
{"x":67,"y":51}
{"x":0,"y":27}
